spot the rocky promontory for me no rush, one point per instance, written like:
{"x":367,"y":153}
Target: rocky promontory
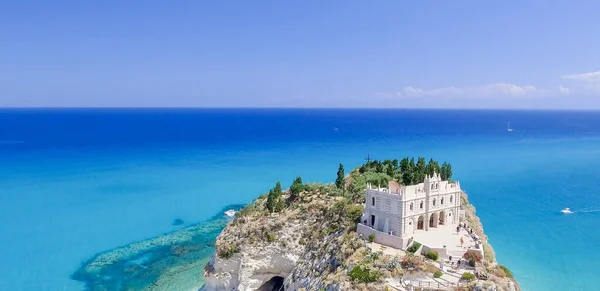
{"x":305,"y":238}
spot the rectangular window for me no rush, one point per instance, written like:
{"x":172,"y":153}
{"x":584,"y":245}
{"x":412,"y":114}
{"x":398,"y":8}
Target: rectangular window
{"x":372,"y":220}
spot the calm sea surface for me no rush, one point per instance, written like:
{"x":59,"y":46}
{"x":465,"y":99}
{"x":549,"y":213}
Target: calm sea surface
{"x":77,"y":182}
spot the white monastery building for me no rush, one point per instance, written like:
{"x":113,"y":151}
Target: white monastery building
{"x":397,"y":213}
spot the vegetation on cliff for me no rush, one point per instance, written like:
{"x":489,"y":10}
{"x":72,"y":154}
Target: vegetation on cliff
{"x":319,"y":222}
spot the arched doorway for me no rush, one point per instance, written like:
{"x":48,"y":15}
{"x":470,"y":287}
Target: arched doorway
{"x":275,"y":284}
{"x":433,"y":220}
{"x":421,"y":222}
{"x":442,"y":217}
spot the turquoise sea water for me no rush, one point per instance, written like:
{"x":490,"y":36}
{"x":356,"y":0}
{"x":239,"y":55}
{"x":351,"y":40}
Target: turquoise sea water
{"x":75,"y":183}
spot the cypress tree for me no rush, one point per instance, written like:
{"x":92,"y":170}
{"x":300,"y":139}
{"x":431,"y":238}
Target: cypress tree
{"x":339,"y":182}
{"x":420,"y":171}
{"x":271,"y":201}
{"x":296,"y":188}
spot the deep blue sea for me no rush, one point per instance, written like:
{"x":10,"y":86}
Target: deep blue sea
{"x":77,"y":182}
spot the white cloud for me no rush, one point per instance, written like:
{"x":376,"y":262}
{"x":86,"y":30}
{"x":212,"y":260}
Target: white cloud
{"x":592,"y":77}
{"x":590,"y":81}
{"x":497,"y":89}
{"x":583,"y":83}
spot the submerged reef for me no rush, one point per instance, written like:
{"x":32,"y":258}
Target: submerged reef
{"x":172,"y":261}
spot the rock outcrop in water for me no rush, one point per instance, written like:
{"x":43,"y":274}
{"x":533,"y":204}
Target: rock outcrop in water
{"x":177,"y":221}
{"x":312,"y":245}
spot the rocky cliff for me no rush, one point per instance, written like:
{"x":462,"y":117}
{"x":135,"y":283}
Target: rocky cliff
{"x":310,"y":243}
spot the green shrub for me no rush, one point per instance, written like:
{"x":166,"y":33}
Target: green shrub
{"x":354,"y":212}
{"x":437,"y":274}
{"x":332,"y":190}
{"x":332,"y":228}
{"x":506,"y":271}
{"x":270,"y":237}
{"x":414,"y":247}
{"x":371,"y":237}
{"x":356,"y":189}
{"x":374,"y":256}
{"x":280,"y":205}
{"x":488,"y":253}
{"x":467,"y":276}
{"x":432,"y":255}
{"x":313,"y":187}
{"x":363,"y":274}
{"x":228,"y":252}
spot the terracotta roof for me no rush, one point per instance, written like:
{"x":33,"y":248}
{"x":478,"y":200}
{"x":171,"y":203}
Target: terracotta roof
{"x":395,"y":184}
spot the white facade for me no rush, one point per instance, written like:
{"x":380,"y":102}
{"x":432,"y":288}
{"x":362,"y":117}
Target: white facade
{"x":398,"y":212}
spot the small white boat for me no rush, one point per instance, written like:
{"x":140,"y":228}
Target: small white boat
{"x":509,"y":129}
{"x":566,"y":211}
{"x":230,"y":213}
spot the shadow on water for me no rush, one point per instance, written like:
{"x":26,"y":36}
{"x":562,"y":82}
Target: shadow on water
{"x":172,"y":261}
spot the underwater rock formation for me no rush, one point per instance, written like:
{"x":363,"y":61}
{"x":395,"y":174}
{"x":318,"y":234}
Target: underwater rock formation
{"x":172,"y":261}
{"x":177,"y":221}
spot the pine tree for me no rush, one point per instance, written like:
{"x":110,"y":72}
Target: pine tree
{"x":396,"y":164}
{"x":433,"y":167}
{"x":391,"y":171}
{"x":446,"y":171}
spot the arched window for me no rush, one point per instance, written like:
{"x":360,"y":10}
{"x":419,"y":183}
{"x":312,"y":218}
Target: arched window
{"x":373,"y":201}
{"x":411,"y":206}
{"x":433,"y":201}
{"x":421,"y":206}
{"x":442,"y":201}
{"x":450,"y":199}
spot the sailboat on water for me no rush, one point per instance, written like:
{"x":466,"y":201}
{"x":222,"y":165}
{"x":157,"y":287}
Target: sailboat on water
{"x":509,"y":129}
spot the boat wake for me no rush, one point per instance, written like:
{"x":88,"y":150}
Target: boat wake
{"x":569,"y":211}
{"x":588,"y":210}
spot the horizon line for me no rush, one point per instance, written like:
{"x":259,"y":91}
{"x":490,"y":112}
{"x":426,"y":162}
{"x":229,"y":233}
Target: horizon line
{"x":291,"y":108}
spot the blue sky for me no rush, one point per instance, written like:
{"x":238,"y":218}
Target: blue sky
{"x":433,"y":54}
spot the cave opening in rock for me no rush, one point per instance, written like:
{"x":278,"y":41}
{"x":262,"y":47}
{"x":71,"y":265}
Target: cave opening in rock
{"x":275,"y":284}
